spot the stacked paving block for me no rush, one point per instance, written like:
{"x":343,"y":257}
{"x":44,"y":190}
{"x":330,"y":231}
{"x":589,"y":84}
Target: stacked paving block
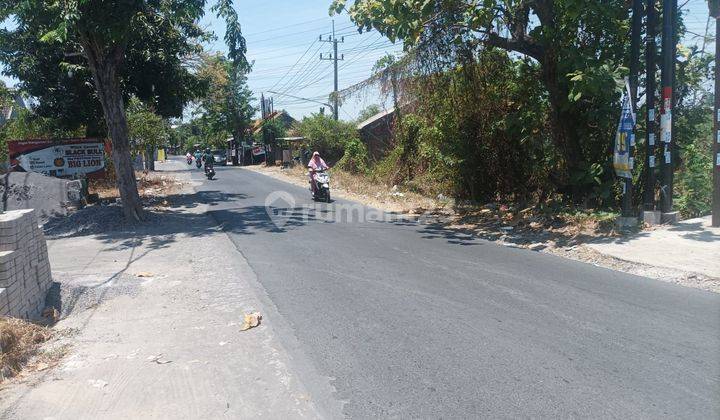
{"x":24,"y":266}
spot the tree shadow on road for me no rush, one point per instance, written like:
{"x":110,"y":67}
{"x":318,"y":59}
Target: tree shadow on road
{"x":187,"y":215}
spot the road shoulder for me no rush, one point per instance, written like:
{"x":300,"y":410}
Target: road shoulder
{"x":153,"y":318}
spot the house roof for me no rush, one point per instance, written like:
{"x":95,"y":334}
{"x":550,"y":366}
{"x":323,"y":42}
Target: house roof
{"x":377,"y":117}
{"x":283,"y":115}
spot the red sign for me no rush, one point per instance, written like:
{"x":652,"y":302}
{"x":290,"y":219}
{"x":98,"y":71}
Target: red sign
{"x":60,"y":158}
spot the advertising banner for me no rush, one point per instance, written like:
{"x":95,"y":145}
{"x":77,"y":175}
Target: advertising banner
{"x":60,"y":158}
{"x":624,"y":138}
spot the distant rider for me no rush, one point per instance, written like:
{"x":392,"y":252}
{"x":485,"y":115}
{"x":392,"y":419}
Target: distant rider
{"x":209,"y":159}
{"x":198,"y":157}
{"x":316,"y":164}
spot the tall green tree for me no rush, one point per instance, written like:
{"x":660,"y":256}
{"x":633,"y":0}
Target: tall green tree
{"x":102,"y":33}
{"x":580,"y":47}
{"x":226,"y":108}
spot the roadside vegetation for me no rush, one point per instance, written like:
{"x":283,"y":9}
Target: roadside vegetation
{"x":526,"y":120}
{"x":525,"y":115}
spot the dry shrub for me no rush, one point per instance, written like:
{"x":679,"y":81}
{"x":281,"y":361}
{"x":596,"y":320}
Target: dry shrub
{"x":19,"y":341}
{"x":149,"y":184}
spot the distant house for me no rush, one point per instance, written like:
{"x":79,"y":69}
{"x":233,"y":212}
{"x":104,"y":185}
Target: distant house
{"x":255,"y":152}
{"x":12,"y":110}
{"x":282,"y":116}
{"x":378,"y":132}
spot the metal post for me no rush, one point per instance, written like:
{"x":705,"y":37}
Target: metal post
{"x":666,"y":135}
{"x":650,"y":51}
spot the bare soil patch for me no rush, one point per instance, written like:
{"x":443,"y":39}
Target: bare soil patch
{"x":151,"y":186}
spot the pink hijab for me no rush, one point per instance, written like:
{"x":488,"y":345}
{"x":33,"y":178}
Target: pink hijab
{"x":317,"y":163}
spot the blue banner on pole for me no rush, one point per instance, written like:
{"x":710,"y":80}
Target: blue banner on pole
{"x":625,"y":137}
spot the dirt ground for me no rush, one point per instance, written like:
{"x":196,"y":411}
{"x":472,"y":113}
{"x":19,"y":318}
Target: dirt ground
{"x":152,"y":187}
{"x":564,"y":234}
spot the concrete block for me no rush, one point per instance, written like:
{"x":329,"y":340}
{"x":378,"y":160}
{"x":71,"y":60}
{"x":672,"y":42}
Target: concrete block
{"x":670,"y":218}
{"x":7,"y":257}
{"x":626,"y":222}
{"x":25,"y":274}
{"x":4,"y":303}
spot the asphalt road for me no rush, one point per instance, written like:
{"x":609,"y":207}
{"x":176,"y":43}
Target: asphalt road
{"x":414,"y":321}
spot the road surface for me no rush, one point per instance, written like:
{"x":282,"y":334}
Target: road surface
{"x":414,"y":321}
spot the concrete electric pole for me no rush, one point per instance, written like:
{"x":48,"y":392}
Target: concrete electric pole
{"x":650,"y":51}
{"x":715,"y":12}
{"x":636,"y":29}
{"x":334,"y":58}
{"x":666,"y":118}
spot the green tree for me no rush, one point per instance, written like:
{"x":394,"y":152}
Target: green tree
{"x":226,"y":108}
{"x":584,"y":39}
{"x":368,"y":112}
{"x":326,"y":135}
{"x":103,"y":33}
{"x":147,"y":130}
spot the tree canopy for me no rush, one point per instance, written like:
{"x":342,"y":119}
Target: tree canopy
{"x":584,"y":39}
{"x":127,"y":47}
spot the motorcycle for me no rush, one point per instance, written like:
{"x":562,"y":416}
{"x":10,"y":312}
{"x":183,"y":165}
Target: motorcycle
{"x":209,"y":172}
{"x":322,"y":186}
{"x":198,"y":163}
{"x":189,"y":160}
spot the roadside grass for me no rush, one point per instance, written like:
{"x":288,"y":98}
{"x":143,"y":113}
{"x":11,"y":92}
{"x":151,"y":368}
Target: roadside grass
{"x":551,"y":220}
{"x":20,"y":341}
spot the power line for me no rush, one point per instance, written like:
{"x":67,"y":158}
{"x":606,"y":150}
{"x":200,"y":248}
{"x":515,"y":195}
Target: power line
{"x":304,"y":68}
{"x":284,"y":27}
{"x":293,"y":66}
{"x":300,"y":75}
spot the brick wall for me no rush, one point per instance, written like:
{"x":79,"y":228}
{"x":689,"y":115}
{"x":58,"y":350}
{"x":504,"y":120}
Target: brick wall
{"x":24,"y":266}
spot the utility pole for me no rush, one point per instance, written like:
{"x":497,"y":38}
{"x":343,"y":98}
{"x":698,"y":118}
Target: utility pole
{"x":335,"y":58}
{"x":666,"y":118}
{"x":627,"y":206}
{"x":715,"y":12}
{"x":650,"y":51}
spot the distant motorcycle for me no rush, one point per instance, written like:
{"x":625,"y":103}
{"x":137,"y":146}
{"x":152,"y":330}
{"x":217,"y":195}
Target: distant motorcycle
{"x":209,"y":172}
{"x":198,"y":163}
{"x":321,"y":179}
{"x":189,"y":160}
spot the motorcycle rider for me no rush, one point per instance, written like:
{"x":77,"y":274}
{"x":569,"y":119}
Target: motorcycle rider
{"x":198,"y":157}
{"x":209,"y":159}
{"x":316,"y":164}
{"x":189,"y":157}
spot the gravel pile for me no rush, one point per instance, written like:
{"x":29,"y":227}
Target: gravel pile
{"x":17,"y":192}
{"x":91,"y":220}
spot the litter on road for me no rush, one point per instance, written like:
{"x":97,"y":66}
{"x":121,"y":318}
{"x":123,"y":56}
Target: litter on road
{"x":252,"y":320}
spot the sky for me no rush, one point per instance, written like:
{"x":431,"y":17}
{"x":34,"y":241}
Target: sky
{"x":281,"y":33}
{"x":282,"y":39}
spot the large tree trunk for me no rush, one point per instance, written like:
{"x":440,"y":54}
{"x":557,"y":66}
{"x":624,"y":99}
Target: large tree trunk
{"x":104,"y":71}
{"x":561,"y":124}
{"x":562,"y":133}
{"x":150,"y":158}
